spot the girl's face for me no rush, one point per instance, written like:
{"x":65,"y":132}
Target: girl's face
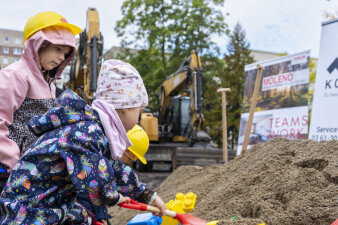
{"x":129,"y":117}
{"x":53,"y":55}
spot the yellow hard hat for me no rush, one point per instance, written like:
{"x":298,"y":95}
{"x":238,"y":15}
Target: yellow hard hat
{"x":140,"y":141}
{"x":47,"y":19}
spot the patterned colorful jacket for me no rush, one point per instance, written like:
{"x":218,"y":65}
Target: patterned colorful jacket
{"x":24,"y":93}
{"x":64,"y":161}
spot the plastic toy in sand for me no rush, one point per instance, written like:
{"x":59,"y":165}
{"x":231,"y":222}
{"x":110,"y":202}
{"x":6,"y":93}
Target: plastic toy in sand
{"x":181,"y":204}
{"x":184,"y":219}
{"x":145,"y":219}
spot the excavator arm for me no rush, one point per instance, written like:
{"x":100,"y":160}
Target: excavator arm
{"x":172,"y":86}
{"x":85,"y":67}
{"x":197,"y":117}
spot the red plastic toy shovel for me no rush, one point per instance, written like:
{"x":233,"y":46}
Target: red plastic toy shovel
{"x":185,"y":219}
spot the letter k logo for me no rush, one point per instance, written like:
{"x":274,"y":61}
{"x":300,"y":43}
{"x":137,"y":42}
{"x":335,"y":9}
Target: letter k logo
{"x":334,"y":65}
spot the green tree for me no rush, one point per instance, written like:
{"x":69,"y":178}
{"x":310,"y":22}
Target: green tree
{"x":213,"y":68}
{"x":238,"y":55}
{"x":167,"y":31}
{"x":144,"y":26}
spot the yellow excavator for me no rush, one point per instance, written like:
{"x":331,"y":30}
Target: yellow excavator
{"x":180,"y":117}
{"x":175,"y":132}
{"x":87,"y":62}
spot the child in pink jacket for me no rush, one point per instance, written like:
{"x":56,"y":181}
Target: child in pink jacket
{"x":26,"y":86}
{"x":74,"y":166}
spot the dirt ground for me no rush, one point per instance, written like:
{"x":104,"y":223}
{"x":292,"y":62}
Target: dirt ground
{"x":280,"y":182}
{"x":153,"y":179}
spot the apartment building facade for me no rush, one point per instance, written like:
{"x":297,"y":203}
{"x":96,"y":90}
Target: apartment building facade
{"x":11,"y":46}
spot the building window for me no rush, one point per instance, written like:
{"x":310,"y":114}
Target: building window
{"x":5,"y":61}
{"x":16,"y":51}
{"x":6,"y":50}
{"x":6,"y":39}
{"x":16,"y":59}
{"x":17,"y":41}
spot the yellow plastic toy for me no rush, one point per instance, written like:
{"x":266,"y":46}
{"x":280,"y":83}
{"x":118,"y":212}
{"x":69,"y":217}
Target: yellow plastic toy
{"x":216,"y":221}
{"x":188,"y":201}
{"x":182,"y":204}
{"x":212,"y":222}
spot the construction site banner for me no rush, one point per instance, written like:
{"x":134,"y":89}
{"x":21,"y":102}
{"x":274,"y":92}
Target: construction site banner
{"x":282,"y":102}
{"x":324,"y":122}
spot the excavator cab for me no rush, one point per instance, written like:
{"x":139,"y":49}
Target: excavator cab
{"x":180,"y":118}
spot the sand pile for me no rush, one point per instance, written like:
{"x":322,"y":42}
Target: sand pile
{"x":278,"y":182}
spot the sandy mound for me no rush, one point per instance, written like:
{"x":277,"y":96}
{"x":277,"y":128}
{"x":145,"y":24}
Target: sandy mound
{"x":278,"y":182}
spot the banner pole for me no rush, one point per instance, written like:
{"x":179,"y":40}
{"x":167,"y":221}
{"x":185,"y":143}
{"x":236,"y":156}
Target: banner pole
{"x":224,"y":123}
{"x":252,"y":107}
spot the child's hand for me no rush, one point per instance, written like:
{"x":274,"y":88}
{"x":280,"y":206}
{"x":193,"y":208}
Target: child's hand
{"x":124,"y":199}
{"x":158,"y":202}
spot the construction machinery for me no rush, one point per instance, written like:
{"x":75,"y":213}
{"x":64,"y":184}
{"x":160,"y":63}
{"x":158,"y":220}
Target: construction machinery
{"x":85,"y":66}
{"x":180,"y":117}
{"x":177,"y":128}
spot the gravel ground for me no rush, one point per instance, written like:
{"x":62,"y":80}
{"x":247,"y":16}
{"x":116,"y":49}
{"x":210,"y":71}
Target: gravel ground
{"x":280,"y":182}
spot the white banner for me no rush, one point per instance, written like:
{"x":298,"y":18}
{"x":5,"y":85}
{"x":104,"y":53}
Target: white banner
{"x":282,"y":103}
{"x":324,"y":119}
{"x":290,"y":123}
{"x":285,"y":80}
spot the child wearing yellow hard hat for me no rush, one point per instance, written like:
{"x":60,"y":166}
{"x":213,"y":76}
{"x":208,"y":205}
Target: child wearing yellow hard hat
{"x":140,"y":141}
{"x":27,"y":87}
{"x":140,"y":145}
{"x":77,"y":156}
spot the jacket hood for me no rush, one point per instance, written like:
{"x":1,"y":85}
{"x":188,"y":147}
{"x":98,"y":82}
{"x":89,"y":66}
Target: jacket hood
{"x":54,"y":35}
{"x":70,"y":108}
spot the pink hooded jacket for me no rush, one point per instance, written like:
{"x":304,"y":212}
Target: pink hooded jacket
{"x":25,"y":93}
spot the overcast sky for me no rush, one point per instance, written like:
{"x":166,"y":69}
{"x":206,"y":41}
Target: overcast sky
{"x":289,"y":26}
